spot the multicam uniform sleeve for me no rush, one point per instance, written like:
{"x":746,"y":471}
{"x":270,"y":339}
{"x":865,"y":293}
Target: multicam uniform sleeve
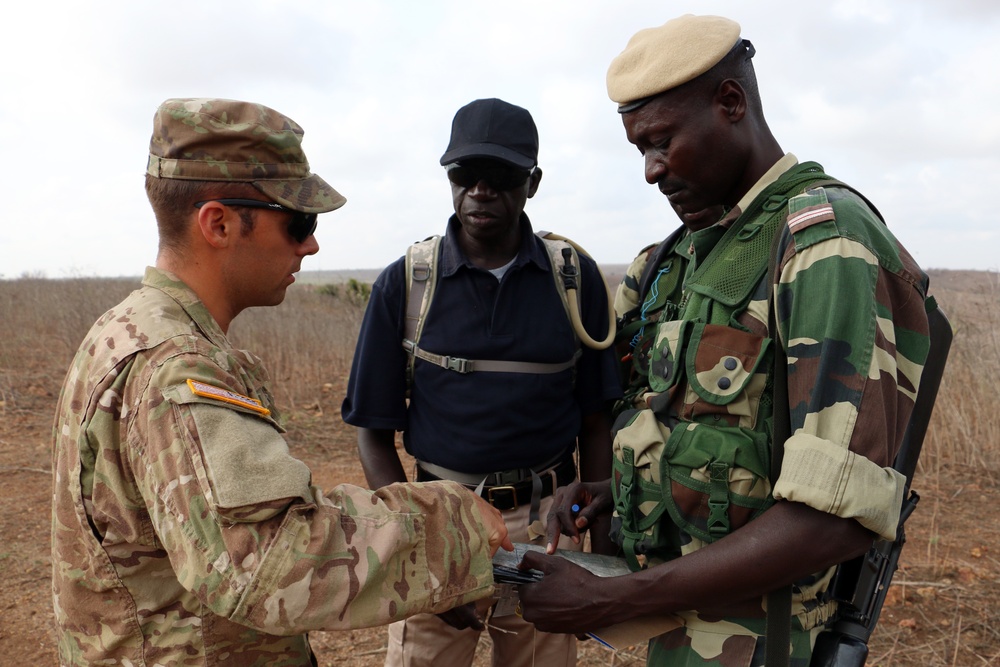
{"x":851,"y":314}
{"x":250,"y":536}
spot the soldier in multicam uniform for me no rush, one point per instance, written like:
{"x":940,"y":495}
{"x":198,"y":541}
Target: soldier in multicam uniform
{"x":183,"y":531}
{"x":711,"y":537}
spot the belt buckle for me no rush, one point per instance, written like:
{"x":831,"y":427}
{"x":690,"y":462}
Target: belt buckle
{"x":507,"y":487}
{"x":509,"y":477}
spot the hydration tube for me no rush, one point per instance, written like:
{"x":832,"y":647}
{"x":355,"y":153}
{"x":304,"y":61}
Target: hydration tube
{"x":569,"y":276}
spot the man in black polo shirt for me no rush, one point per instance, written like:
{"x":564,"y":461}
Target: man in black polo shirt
{"x":512,"y":429}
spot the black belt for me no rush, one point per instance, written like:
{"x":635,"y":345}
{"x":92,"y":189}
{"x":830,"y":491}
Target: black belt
{"x":510,"y":489}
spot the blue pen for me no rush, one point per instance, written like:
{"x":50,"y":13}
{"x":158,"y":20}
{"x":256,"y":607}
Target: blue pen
{"x":601,"y":641}
{"x":575,"y":508}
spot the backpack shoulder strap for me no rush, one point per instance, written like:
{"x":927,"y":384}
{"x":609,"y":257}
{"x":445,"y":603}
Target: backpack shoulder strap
{"x":421,"y":268}
{"x":421,"y":279}
{"x":779,"y":601}
{"x":563,"y":260}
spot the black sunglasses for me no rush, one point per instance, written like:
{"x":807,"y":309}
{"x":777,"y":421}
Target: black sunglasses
{"x":499,"y":177}
{"x":300,"y":227}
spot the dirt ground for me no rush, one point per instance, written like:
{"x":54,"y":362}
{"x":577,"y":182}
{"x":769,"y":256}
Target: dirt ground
{"x":940,"y":611}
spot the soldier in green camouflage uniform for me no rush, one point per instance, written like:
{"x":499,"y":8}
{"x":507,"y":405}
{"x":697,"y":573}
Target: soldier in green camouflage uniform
{"x":699,"y":520}
{"x":183,"y":531}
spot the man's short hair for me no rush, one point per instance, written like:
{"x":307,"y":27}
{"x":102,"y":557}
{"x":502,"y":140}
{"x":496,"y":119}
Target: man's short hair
{"x":173,"y":200}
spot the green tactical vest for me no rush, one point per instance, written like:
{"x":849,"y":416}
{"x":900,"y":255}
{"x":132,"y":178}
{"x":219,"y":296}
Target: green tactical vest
{"x":700,"y":453}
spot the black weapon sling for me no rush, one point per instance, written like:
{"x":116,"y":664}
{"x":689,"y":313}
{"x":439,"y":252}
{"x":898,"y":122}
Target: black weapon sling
{"x":779,"y":602}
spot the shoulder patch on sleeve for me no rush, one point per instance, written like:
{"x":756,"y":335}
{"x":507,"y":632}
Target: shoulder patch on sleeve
{"x":808,"y":209}
{"x":810,"y":216}
{"x":220,"y":394}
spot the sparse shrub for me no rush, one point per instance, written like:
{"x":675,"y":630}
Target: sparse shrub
{"x":329,"y":289}
{"x":358,"y":292}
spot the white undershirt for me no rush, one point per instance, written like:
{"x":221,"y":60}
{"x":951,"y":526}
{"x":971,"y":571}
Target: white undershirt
{"x":499,"y":271}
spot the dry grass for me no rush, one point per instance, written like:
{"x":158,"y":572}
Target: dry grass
{"x":43,"y":320}
{"x":965,"y":430}
{"x":307,"y":344}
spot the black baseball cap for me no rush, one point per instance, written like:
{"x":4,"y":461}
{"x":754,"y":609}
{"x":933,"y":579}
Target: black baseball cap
{"x":496,"y":130}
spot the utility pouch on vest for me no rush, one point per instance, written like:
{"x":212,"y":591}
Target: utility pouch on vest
{"x":709,"y":480}
{"x":637,"y":489}
{"x":709,"y":473}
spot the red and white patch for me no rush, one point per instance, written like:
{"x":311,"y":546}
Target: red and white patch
{"x":810,"y":216}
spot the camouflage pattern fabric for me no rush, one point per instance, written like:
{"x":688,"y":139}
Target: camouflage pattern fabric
{"x":208,"y":139}
{"x":637,"y":317}
{"x":726,"y":644}
{"x":855,"y":359}
{"x":184,"y":533}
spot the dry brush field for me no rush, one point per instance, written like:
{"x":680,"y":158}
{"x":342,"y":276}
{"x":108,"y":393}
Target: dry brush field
{"x":941,"y":607}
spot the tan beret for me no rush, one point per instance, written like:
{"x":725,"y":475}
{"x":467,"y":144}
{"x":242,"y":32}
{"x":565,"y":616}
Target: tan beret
{"x":658,"y":59}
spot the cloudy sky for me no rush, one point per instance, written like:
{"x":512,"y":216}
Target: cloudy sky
{"x":898,"y":97}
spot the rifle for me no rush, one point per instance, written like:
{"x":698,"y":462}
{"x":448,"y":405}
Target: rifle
{"x":860,"y":585}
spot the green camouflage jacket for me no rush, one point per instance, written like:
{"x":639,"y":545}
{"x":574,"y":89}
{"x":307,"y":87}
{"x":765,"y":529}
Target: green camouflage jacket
{"x":183,"y":531}
{"x":850,"y":312}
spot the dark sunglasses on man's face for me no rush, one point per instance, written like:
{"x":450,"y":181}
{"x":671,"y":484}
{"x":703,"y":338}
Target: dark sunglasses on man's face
{"x":498,"y":176}
{"x":300,"y":227}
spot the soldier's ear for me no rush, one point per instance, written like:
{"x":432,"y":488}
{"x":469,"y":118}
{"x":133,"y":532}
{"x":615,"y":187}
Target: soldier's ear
{"x":533,"y":181}
{"x":216,"y":224}
{"x":732,"y":99}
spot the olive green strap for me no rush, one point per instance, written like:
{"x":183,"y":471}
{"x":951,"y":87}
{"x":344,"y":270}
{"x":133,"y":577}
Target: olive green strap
{"x":718,"y":499}
{"x":624,"y":506}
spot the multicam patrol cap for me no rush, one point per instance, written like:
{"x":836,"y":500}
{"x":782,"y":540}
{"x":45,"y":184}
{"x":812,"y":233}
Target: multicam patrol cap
{"x":227,"y":140}
{"x":659,"y":59}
